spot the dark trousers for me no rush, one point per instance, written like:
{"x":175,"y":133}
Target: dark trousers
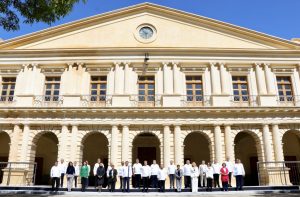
{"x":145,"y":184}
{"x":62,"y":176}
{"x":137,"y":178}
{"x":121,"y":182}
{"x":239,"y":182}
{"x":84,"y":182}
{"x":187,"y":181}
{"x":225,"y":186}
{"x":216,"y":180}
{"x":55,"y":181}
{"x":209,"y":184}
{"x":172,"y":179}
{"x":154,"y":181}
{"x":126,"y":184}
{"x":229,"y":183}
{"x":75,"y":181}
{"x":161,"y":186}
{"x":112,"y":186}
{"x":96,"y":180}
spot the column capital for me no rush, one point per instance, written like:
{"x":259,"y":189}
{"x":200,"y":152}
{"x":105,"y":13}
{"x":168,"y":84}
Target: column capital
{"x":174,"y":63}
{"x":165,"y":63}
{"x":257,"y":64}
{"x":125,"y":125}
{"x":212,"y":64}
{"x":266,"y":64}
{"x":222,"y":64}
{"x":126,"y":63}
{"x":64,"y":124}
{"x":117,"y":63}
{"x":74,"y":124}
{"x":166,"y":125}
{"x":177,"y":125}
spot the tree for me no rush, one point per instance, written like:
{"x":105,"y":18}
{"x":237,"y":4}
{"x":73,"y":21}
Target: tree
{"x":47,"y":11}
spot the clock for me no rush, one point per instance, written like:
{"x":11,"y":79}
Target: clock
{"x":146,"y":32}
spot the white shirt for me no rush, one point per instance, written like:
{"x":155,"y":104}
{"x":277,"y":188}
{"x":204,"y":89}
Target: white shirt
{"x":62,"y":168}
{"x":229,"y":166}
{"x":187,"y":169}
{"x":127,"y":171}
{"x":154,"y":169}
{"x":120,"y":171}
{"x":194,"y":172}
{"x":137,"y":167}
{"x":238,"y":169}
{"x":202,"y":169}
{"x":89,"y":167}
{"x":107,"y":171}
{"x":77,"y":170}
{"x":171,"y":169}
{"x":210,"y":172}
{"x":55,"y":172}
{"x":146,"y":171}
{"x":216,"y":168}
{"x":162,"y":174}
{"x":96,"y":166}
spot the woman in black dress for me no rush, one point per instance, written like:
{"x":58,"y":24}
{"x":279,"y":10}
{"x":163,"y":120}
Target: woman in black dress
{"x":100,"y":175}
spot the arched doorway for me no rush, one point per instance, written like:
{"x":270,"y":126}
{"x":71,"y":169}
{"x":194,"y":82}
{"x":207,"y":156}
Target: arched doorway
{"x":46,"y":151}
{"x":4,"y":151}
{"x":291,"y":147}
{"x":146,"y":146}
{"x":248,"y":156}
{"x":197,"y":148}
{"x":95,"y":146}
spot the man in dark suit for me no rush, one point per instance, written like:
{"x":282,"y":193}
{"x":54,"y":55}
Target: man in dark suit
{"x":112,"y":178}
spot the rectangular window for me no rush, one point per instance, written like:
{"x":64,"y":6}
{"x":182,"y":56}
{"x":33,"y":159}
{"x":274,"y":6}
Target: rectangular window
{"x":240,"y":88}
{"x":8,"y":88}
{"x":146,"y":89}
{"x":98,"y":88}
{"x":52,"y":86}
{"x":285,"y":90}
{"x":194,"y":88}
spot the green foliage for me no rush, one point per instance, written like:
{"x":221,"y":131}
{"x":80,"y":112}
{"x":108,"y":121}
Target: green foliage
{"x":47,"y":11}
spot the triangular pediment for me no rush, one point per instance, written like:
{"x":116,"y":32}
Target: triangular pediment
{"x":173,"y":29}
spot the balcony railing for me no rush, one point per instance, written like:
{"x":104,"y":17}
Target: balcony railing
{"x":48,"y":101}
{"x":7,"y":100}
{"x":243,"y":101}
{"x":195,"y":100}
{"x":145,"y":101}
{"x":288,"y":100}
{"x":96,"y":100}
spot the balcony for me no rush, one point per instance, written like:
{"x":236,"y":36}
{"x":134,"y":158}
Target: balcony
{"x":243,"y":101}
{"x":96,"y":100}
{"x":145,"y":101}
{"x":195,"y":100}
{"x":288,"y":100}
{"x":7,"y":101}
{"x":48,"y":101}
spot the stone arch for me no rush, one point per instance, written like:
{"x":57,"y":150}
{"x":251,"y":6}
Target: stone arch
{"x":291,"y":145}
{"x":5,"y":140}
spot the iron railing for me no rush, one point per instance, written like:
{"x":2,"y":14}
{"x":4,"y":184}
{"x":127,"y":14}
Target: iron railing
{"x":96,"y":100}
{"x":48,"y":101}
{"x":243,"y":100}
{"x":145,"y":100}
{"x":195,"y":100}
{"x":279,"y":173}
{"x":8,"y":100}
{"x":25,"y":172}
{"x":288,"y":100}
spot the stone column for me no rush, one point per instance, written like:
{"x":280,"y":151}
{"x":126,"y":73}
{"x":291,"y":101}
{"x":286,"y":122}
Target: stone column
{"x":176,"y":79}
{"x":177,"y":145}
{"x":167,"y":80}
{"x":114,"y":144}
{"x":277,"y":143}
{"x":229,"y":143}
{"x":118,"y":83}
{"x":63,"y":153}
{"x":267,"y":143}
{"x":126,"y":79}
{"x":14,"y":144}
{"x":24,"y":157}
{"x":218,"y":143}
{"x":269,"y":80}
{"x":166,"y":145}
{"x":224,"y":80}
{"x":214,"y":79}
{"x":125,"y":142}
{"x":259,"y":80}
{"x":74,"y":149}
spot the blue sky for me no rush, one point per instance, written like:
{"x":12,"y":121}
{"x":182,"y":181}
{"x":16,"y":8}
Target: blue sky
{"x":279,"y":18}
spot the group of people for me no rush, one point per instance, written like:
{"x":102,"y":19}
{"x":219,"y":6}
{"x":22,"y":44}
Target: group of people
{"x":206,"y":175}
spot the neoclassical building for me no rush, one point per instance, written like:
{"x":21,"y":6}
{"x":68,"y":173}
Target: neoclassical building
{"x":149,"y":82}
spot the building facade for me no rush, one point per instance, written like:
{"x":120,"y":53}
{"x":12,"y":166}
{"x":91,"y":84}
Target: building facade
{"x":149,"y":82}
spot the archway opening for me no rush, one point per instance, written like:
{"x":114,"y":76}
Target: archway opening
{"x":291,"y":147}
{"x":46,"y":151}
{"x":4,"y":151}
{"x":245,"y":149}
{"x":197,"y":148}
{"x":95,"y":146}
{"x":146,"y":147}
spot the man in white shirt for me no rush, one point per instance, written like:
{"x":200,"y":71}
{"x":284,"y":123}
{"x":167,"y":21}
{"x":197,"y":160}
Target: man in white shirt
{"x":154,"y":173}
{"x":55,"y":175}
{"x":162,"y":175}
{"x":96,"y":166}
{"x":120,"y":173}
{"x":239,"y":173}
{"x":202,"y":174}
{"x":229,"y":166}
{"x":146,"y":173}
{"x":187,"y":168}
{"x":127,"y":173}
{"x":137,"y":168}
{"x":216,"y":172}
{"x":63,"y":168}
{"x":171,"y":173}
{"x":77,"y":173}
